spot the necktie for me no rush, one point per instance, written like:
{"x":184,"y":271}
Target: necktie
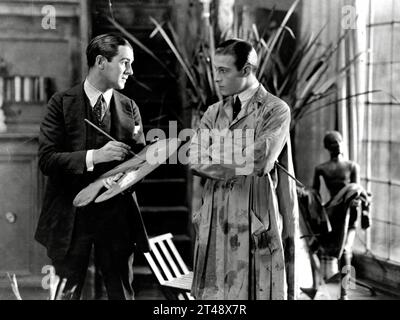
{"x":236,"y":107}
{"x":99,"y":108}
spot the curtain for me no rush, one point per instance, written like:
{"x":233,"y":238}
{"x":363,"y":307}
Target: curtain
{"x":309,"y":151}
{"x":353,"y":55}
{"x":347,"y":115}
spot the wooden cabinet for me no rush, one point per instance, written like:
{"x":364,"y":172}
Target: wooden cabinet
{"x":20,"y":201}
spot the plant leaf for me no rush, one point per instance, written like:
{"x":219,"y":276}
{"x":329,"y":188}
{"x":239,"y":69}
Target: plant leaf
{"x":177,"y":54}
{"x":275,"y":39}
{"x":338,"y":100}
{"x":140,"y":45}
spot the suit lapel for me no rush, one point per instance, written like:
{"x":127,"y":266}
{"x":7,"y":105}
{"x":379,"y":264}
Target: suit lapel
{"x":74,"y":108}
{"x":75,"y":111}
{"x":122,"y":116}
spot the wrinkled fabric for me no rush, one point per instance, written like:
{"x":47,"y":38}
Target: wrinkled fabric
{"x":316,"y":220}
{"x":330,"y":223}
{"x":238,"y":206}
{"x":342,"y":217}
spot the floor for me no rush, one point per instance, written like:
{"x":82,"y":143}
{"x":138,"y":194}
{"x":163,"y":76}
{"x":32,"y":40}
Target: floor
{"x":148,"y":289}
{"x":331,"y":291}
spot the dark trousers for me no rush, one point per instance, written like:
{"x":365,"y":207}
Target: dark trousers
{"x":107,"y":227}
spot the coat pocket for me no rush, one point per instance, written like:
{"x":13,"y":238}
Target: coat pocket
{"x":262,"y":237}
{"x":258,"y":232}
{"x":256,"y":225}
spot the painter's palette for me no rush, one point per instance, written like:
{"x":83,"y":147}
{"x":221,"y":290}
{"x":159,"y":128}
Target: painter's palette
{"x":133,"y":171}
{"x":156,"y":154}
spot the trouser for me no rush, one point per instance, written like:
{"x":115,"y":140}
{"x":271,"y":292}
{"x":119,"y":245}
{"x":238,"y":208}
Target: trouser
{"x":107,"y":230}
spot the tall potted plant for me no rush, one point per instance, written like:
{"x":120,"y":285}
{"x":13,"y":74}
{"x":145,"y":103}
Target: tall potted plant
{"x":301,"y":82}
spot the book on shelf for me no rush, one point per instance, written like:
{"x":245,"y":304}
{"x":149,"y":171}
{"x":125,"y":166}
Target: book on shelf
{"x":42,"y":89}
{"x":17,"y":89}
{"x":8,"y":89}
{"x":25,"y":89}
{"x":1,"y":91}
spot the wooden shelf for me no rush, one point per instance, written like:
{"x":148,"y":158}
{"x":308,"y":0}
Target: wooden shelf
{"x":23,"y":116}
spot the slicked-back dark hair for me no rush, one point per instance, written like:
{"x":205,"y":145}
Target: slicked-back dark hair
{"x":106,"y":45}
{"x":237,"y":48}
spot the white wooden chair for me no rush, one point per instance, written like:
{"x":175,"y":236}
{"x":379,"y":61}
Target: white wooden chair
{"x":170,"y":270}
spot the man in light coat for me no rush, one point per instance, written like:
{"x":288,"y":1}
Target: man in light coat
{"x":247,"y":222}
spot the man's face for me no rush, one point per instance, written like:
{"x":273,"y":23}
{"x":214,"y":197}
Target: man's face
{"x":117,"y":71}
{"x":229,"y":80}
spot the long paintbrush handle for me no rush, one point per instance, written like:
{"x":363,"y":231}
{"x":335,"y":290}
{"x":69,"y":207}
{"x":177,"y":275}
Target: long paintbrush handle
{"x":104,"y":133}
{"x":287,"y":172}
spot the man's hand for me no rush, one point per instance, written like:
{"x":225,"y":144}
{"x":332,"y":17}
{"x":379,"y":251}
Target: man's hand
{"x":112,"y":151}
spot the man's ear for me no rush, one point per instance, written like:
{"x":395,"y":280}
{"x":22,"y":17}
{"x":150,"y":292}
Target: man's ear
{"x":100,"y":61}
{"x":246,"y":70}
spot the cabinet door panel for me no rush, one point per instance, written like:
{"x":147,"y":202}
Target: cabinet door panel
{"x":17,"y":190}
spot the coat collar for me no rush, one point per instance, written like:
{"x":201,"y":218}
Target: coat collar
{"x":93,"y":93}
{"x":123,"y":117}
{"x":75,"y":111}
{"x":255,"y":102}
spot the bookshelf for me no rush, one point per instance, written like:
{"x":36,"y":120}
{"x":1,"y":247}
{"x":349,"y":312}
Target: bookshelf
{"x":23,"y":100}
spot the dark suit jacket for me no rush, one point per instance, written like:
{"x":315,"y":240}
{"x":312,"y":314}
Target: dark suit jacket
{"x":62,"y":157}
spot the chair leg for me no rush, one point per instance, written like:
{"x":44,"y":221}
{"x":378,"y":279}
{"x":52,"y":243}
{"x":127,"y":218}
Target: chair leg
{"x":169,"y":294}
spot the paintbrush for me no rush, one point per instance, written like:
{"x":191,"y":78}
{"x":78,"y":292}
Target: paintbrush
{"x":104,"y":133}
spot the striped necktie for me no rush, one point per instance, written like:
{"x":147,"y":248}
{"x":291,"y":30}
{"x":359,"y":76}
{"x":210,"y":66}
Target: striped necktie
{"x":99,"y":108}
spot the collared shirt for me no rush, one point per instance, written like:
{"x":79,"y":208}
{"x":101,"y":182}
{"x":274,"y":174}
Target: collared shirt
{"x":93,"y":95}
{"x":247,"y":94}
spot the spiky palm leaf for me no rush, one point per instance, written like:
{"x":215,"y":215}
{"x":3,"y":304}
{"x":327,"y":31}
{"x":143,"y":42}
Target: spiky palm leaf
{"x":302,"y":81}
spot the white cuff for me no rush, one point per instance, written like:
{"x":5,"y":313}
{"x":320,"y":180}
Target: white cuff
{"x":89,"y":160}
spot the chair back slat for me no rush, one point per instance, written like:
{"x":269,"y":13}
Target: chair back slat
{"x":154,"y":267}
{"x":169,"y":267}
{"x":170,"y":260}
{"x":177,"y":256}
{"x":161,"y":261}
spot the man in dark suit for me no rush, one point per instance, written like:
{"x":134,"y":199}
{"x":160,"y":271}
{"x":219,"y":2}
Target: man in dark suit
{"x":73,"y":154}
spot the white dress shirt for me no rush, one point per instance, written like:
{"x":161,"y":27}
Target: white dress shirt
{"x":93,"y":95}
{"x":247,"y":94}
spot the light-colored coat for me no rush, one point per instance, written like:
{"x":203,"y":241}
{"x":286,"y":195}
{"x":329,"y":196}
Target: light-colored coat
{"x":237,"y":207}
